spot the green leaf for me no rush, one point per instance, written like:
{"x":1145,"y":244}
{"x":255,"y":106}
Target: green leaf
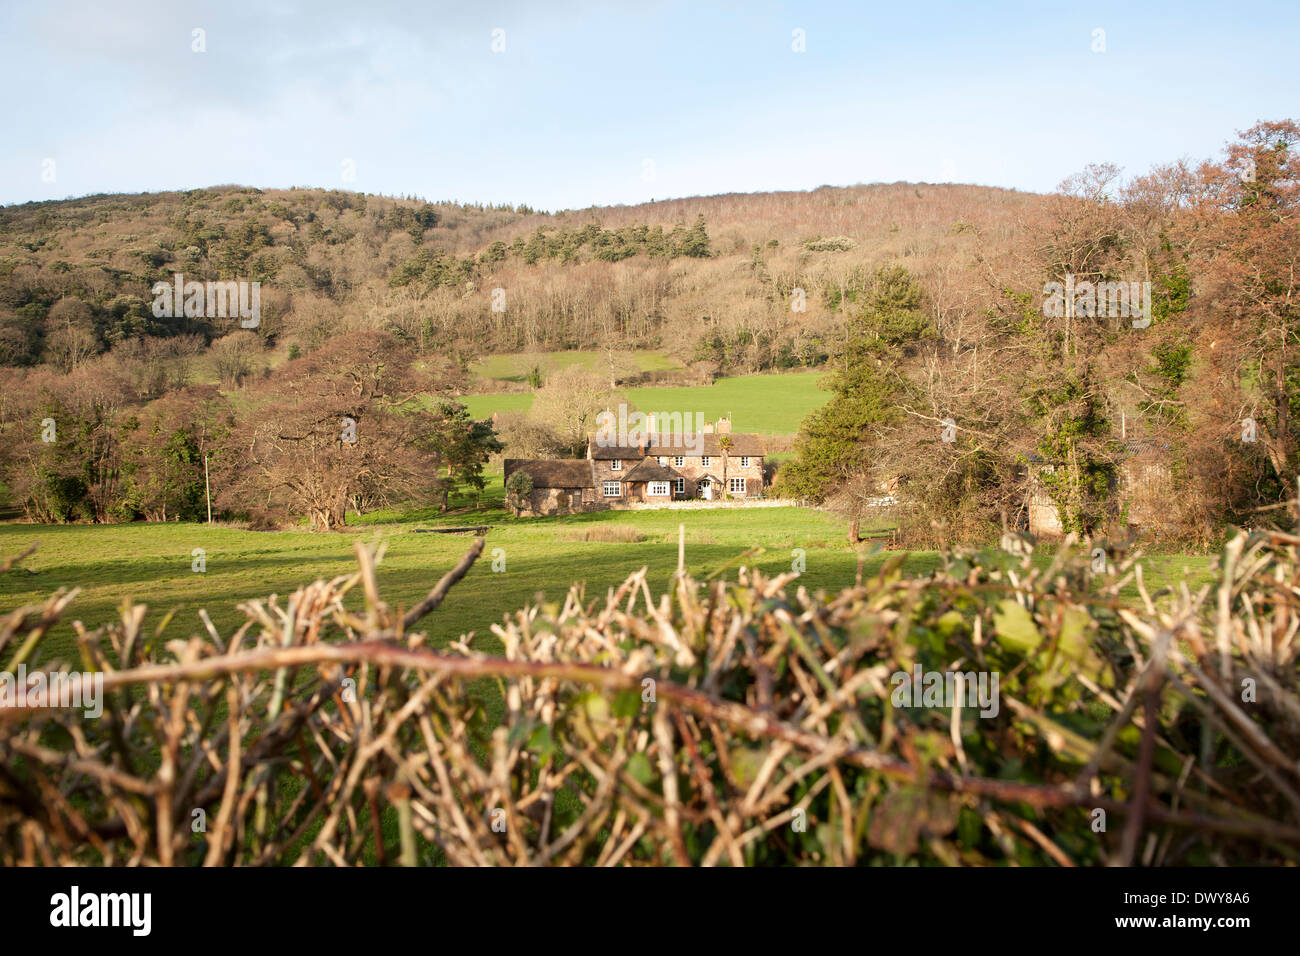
{"x":542,"y":743}
{"x":746,"y":762}
{"x":627,"y":704}
{"x":1015,"y":627}
{"x":1074,"y":625}
{"x":950,"y":623}
{"x":639,"y":769}
{"x":597,"y":708}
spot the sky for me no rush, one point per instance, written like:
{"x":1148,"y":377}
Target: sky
{"x":568,"y":105}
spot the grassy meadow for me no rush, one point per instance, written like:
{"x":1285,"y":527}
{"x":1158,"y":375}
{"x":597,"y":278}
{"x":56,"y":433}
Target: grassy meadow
{"x":766,"y":404}
{"x":151,"y":563}
{"x":543,"y":557}
{"x":514,"y":367}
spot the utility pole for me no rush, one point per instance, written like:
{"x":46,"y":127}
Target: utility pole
{"x":207,"y":486}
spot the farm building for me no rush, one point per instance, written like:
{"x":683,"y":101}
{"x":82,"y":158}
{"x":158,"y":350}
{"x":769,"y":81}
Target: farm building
{"x":1144,"y":491}
{"x":613,"y":475}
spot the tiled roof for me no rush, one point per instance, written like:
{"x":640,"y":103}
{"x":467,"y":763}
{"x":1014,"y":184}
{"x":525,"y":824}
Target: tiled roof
{"x":1127,"y":448}
{"x":742,"y":443}
{"x":553,"y":473}
{"x":611,"y":452}
{"x":651,"y":470}
{"x":1144,"y":447}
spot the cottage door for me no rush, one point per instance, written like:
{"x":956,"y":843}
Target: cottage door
{"x":706,"y":490}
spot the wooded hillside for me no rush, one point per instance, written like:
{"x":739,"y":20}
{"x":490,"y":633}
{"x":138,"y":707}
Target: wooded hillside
{"x":1123,"y":349}
{"x":710,"y":275}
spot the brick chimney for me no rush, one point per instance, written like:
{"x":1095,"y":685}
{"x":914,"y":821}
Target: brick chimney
{"x":707,"y":429}
{"x":724,"y":426}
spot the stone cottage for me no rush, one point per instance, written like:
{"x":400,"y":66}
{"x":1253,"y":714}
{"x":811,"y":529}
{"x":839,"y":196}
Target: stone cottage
{"x":714,"y":468}
{"x":1143,"y":494}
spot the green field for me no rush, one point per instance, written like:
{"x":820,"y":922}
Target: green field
{"x":483,"y":406}
{"x":766,"y":404}
{"x":151,"y":563}
{"x":515,"y":367}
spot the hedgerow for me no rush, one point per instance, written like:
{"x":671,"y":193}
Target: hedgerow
{"x":735,"y":723}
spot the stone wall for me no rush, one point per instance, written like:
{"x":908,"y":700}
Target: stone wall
{"x":555,"y":501}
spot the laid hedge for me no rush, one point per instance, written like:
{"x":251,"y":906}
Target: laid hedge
{"x":745,"y":723}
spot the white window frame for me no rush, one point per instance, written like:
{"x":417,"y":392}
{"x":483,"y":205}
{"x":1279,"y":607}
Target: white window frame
{"x":616,"y":465}
{"x":744,"y":462}
{"x":662,"y":461}
{"x":704,"y":462}
{"x":659,"y":489}
{"x":681,"y":486}
{"x":616,"y":485}
{"x":678,"y":461}
{"x":732,"y":482}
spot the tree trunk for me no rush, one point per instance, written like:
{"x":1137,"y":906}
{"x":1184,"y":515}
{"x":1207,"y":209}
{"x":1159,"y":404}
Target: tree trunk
{"x":855,"y":525}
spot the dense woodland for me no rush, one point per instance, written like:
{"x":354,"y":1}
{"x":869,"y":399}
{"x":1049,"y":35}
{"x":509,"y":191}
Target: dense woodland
{"x":1203,"y":397}
{"x":925,"y":303}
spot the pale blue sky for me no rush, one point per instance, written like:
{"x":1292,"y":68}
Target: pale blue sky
{"x":999,"y":93}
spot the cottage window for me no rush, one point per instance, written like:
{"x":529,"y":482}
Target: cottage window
{"x":613,"y":489}
{"x":659,"y":488}
{"x":679,"y":461}
{"x":681,"y":486}
{"x":662,"y":460}
{"x":615,"y":465}
{"x":744,"y":462}
{"x":737,"y":486}
{"x":705,"y":461}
